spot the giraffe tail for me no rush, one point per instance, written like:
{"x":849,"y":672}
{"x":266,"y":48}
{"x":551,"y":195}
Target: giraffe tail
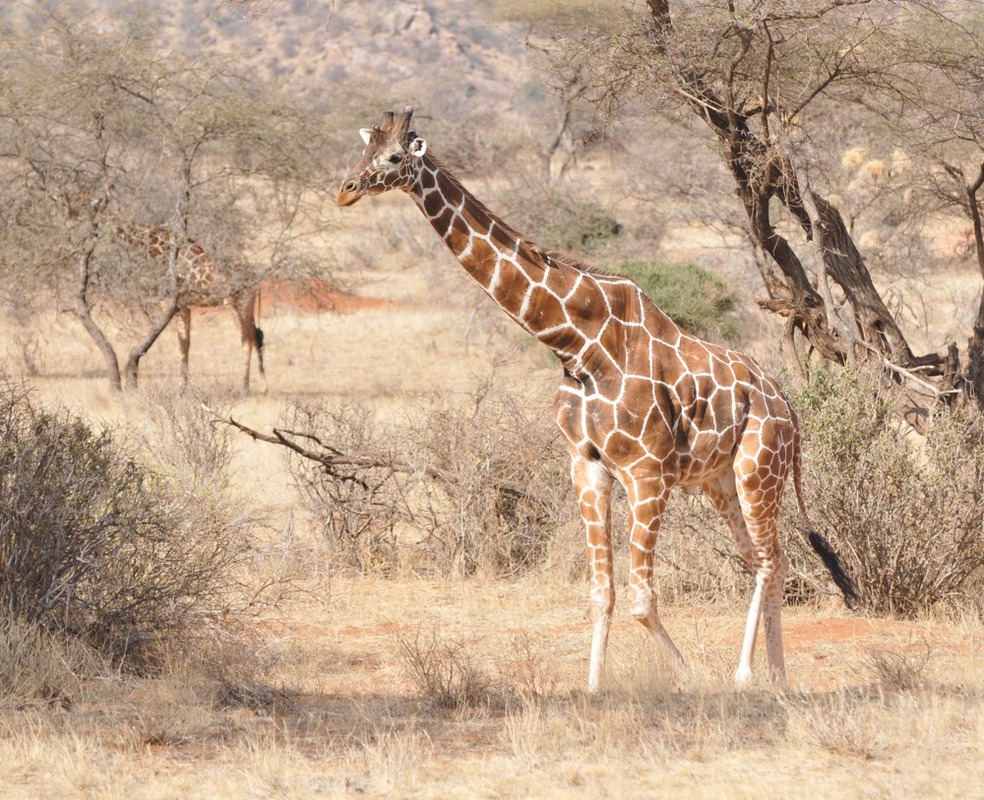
{"x":820,"y":545}
{"x":833,"y":564}
{"x":258,"y":340}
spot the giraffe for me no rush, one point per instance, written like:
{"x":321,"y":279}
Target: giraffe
{"x":641,"y":402}
{"x":202,"y":283}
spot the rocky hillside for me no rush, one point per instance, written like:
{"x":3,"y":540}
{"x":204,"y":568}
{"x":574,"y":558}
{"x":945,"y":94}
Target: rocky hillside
{"x":321,"y":48}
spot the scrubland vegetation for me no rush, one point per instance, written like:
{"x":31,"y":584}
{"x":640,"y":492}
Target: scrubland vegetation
{"x":394,"y":603}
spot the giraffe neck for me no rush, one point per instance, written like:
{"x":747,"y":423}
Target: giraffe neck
{"x":526,"y":282}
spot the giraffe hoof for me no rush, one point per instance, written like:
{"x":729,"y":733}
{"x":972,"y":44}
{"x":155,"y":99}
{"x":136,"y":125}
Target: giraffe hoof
{"x":744,"y":677}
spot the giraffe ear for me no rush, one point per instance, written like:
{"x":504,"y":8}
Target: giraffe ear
{"x":417,"y":147}
{"x":365,"y":133}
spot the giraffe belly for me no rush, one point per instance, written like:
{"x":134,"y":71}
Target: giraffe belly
{"x":656,"y":439}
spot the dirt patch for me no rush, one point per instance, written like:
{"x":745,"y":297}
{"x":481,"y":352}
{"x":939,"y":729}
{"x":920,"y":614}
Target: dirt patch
{"x":802,"y":635}
{"x":312,"y":296}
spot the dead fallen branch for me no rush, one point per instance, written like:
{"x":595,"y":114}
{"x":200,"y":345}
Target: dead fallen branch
{"x":331,"y":458}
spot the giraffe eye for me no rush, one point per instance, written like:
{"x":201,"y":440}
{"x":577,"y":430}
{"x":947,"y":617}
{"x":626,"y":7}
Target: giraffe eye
{"x":396,"y":158}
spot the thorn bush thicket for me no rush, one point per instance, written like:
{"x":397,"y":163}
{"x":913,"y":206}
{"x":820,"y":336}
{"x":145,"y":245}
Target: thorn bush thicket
{"x":459,"y":488}
{"x":905,"y":513}
{"x":97,"y":546}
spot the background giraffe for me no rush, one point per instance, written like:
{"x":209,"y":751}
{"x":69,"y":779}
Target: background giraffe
{"x":202,"y":283}
{"x":641,"y":402}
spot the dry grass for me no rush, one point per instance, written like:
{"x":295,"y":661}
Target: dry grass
{"x":357,"y":724}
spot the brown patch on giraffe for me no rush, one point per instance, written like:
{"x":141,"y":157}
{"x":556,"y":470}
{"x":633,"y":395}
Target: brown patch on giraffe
{"x":588,"y":313}
{"x":442,"y":222}
{"x":433,"y":203}
{"x":612,"y":340}
{"x":476,"y":217}
{"x":549,"y":312}
{"x":511,"y":287}
{"x":482,"y":251}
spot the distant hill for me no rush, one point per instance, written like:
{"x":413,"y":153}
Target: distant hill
{"x":316,"y":47}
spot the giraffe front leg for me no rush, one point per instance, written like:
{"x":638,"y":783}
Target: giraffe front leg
{"x":647,"y":502}
{"x":593,"y":485}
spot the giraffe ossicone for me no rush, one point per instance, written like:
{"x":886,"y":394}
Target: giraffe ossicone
{"x":641,"y":401}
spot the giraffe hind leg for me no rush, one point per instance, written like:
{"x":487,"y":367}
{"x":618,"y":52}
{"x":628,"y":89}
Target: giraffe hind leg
{"x":767,"y":565}
{"x":250,"y":336}
{"x":770,"y":566}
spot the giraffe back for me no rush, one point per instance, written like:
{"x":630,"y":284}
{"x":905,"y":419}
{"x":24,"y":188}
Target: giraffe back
{"x":641,"y":392}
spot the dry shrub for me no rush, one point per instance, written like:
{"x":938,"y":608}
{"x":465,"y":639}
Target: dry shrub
{"x":97,"y":546}
{"x":842,"y":724}
{"x":358,"y":507}
{"x":563,"y":220}
{"x":443,"y":671}
{"x":240,"y":667}
{"x":897,"y":671}
{"x":505,"y":486}
{"x":185,"y":439}
{"x":905,"y":513}
{"x":532,"y":669}
{"x":459,"y":488}
{"x":170,"y":714}
{"x":696,"y":558}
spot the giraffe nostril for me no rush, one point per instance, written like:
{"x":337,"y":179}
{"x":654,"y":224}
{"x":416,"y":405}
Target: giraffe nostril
{"x":350,"y":192}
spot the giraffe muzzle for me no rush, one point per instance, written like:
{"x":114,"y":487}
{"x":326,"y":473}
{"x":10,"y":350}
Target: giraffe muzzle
{"x":350,"y":193}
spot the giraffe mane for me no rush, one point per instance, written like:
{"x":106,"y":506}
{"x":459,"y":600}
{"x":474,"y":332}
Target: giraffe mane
{"x":546,"y":254}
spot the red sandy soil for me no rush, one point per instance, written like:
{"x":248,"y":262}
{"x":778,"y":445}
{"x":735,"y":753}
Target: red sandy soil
{"x":822,"y":652}
{"x":312,"y":296}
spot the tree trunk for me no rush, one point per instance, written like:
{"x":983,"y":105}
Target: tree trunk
{"x":763,"y":169}
{"x":142,"y":347}
{"x":83,"y":311}
{"x":975,"y":347}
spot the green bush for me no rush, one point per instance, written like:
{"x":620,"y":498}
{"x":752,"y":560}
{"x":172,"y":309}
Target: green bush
{"x":694,"y":298}
{"x":905,"y":512}
{"x":96,"y":546}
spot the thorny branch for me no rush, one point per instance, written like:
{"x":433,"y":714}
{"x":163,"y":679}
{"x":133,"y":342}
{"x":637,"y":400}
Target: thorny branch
{"x":337,"y":464}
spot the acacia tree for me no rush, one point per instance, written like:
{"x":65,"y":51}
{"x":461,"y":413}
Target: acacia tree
{"x":769,"y":78}
{"x":98,"y":132}
{"x":942,"y":125}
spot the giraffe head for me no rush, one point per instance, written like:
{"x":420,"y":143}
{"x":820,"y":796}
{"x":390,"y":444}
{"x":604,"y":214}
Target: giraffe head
{"x":390,"y":160}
